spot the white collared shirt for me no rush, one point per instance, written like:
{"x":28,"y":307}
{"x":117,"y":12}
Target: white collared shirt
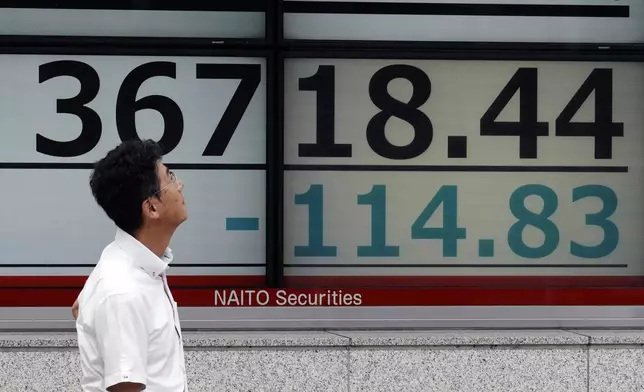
{"x":128,"y":325}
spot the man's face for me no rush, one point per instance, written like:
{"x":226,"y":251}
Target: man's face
{"x":170,"y":205}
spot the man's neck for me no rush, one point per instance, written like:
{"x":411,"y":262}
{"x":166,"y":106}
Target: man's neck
{"x":157,"y":239}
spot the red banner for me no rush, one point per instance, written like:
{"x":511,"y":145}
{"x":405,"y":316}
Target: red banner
{"x":209,"y":291}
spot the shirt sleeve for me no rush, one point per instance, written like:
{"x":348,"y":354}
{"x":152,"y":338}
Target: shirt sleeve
{"x":122,"y":337}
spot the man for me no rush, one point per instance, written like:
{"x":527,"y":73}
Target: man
{"x":128,"y":328}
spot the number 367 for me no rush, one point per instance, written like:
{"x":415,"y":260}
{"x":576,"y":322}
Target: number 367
{"x":127,"y":105}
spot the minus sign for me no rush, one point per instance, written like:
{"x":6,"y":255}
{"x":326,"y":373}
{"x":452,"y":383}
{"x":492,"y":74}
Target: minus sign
{"x":242,"y":224}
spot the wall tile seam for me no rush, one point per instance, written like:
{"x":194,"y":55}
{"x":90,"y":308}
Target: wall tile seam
{"x":587,"y":357}
{"x":348,"y":345}
{"x":267,"y":348}
{"x":586,"y":347}
{"x":188,"y":348}
{"x":348,"y":355}
{"x":616,"y":346}
{"x":37,"y":349}
{"x":586,"y":353}
{"x":349,"y":360}
{"x":471,"y":347}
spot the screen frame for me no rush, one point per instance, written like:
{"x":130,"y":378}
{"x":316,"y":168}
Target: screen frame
{"x":276,"y":50}
{"x":473,"y":316}
{"x":6,"y":313}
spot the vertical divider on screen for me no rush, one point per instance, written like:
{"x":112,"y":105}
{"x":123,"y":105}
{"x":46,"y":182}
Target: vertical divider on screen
{"x":274,"y":146}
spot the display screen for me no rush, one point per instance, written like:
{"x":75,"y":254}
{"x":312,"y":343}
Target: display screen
{"x":61,"y":113}
{"x":505,"y":21}
{"x":445,"y":170}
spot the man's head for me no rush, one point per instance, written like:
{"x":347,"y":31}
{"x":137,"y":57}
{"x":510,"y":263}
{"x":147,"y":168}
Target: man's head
{"x":136,"y":190}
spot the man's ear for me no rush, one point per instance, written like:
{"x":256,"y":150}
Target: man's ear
{"x":149,"y":209}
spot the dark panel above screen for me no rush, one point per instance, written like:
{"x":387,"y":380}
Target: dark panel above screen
{"x":564,"y":21}
{"x":243,"y":19}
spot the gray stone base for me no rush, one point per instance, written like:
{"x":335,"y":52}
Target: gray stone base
{"x":481,"y":361}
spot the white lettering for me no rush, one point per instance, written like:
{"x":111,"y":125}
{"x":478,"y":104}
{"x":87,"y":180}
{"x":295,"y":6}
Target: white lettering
{"x":249,"y":295}
{"x":266,"y":297}
{"x":220,"y":298}
{"x":281,"y":299}
{"x":233,"y":297}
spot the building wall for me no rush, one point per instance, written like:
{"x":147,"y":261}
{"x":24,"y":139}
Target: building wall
{"x":547,"y":360}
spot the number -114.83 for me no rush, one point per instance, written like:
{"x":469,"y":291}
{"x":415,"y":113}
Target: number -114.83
{"x":450,"y":232}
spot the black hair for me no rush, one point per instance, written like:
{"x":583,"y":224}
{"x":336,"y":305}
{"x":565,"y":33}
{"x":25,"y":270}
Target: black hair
{"x":124,"y":178}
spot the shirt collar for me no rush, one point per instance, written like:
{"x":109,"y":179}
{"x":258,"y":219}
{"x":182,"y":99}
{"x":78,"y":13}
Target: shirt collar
{"x":141,"y":256}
